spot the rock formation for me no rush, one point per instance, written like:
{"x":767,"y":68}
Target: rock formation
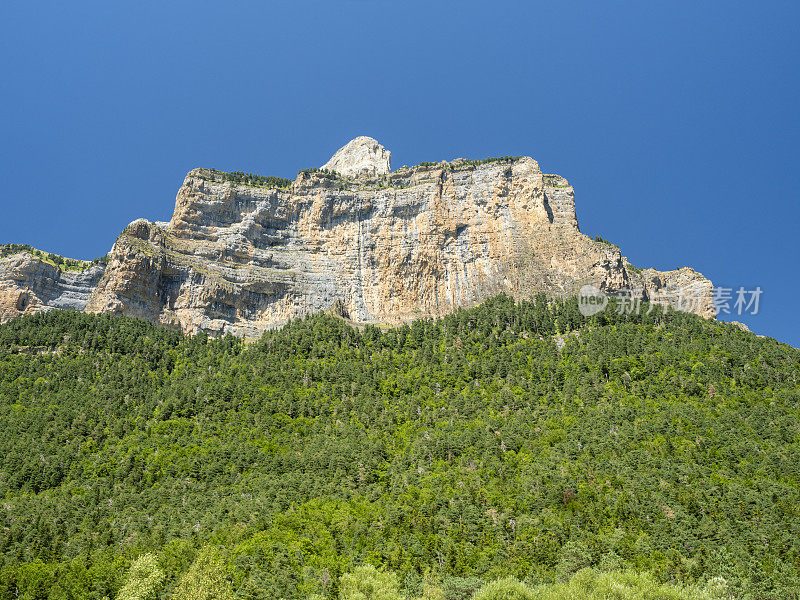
{"x":28,"y":284}
{"x":379,"y":246}
{"x":363,"y":156}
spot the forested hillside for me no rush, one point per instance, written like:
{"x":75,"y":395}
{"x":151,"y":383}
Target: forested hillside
{"x":512,"y":439}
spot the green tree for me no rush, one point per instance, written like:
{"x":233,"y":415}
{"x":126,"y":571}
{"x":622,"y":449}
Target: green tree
{"x":205,"y":580}
{"x":144,"y":579}
{"x":368,"y":583}
{"x":508,"y":588}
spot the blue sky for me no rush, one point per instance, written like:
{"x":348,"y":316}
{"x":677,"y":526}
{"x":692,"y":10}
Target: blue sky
{"x":676,"y":122}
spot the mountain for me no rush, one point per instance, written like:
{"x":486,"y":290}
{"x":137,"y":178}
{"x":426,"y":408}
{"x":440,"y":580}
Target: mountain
{"x":244,"y":253}
{"x":514,"y":439}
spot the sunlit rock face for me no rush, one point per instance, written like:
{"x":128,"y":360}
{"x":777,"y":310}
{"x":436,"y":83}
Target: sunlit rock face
{"x":379,"y":246}
{"x":29,"y":285}
{"x":363,"y":156}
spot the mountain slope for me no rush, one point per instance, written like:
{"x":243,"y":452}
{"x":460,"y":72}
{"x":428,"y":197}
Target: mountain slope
{"x":471,"y":446}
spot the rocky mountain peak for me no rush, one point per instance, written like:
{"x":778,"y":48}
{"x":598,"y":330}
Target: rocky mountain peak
{"x":244,"y":253}
{"x":360,"y":156}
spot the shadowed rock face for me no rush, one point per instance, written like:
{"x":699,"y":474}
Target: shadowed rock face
{"x":379,"y":247}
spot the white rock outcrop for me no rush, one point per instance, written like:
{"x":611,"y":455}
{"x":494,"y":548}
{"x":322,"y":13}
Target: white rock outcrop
{"x":363,"y":156}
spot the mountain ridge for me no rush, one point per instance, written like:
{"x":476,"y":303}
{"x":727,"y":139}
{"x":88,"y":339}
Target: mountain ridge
{"x":245,"y":253}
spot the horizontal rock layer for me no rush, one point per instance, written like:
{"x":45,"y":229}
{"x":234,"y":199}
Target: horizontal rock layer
{"x":28,"y":285}
{"x":382,"y":248}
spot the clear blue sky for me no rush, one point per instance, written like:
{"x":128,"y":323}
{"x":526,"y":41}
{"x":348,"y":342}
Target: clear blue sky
{"x":677,"y":122}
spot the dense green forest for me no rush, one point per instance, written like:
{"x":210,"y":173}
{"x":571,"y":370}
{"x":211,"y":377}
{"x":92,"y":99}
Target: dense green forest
{"x":514,"y":450}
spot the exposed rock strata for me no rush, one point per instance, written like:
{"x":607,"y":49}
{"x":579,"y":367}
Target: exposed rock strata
{"x":28,"y":285}
{"x":378,"y":246}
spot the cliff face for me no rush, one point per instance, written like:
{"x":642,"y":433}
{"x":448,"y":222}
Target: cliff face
{"x":28,"y":285}
{"x":383,"y":247}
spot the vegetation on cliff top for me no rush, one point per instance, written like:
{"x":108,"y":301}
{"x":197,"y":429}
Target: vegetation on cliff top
{"x":399,"y":179}
{"x":325,"y":172}
{"x":602,"y":240}
{"x":61,"y":262}
{"x":449,"y":453}
{"x":470,"y":162}
{"x":251,"y":179}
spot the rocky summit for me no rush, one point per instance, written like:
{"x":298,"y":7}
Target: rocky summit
{"x":361,"y":156}
{"x":245,"y":253}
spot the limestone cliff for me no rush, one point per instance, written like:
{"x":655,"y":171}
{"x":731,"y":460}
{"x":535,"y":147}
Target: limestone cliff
{"x":28,"y":284}
{"x":384,"y":247}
